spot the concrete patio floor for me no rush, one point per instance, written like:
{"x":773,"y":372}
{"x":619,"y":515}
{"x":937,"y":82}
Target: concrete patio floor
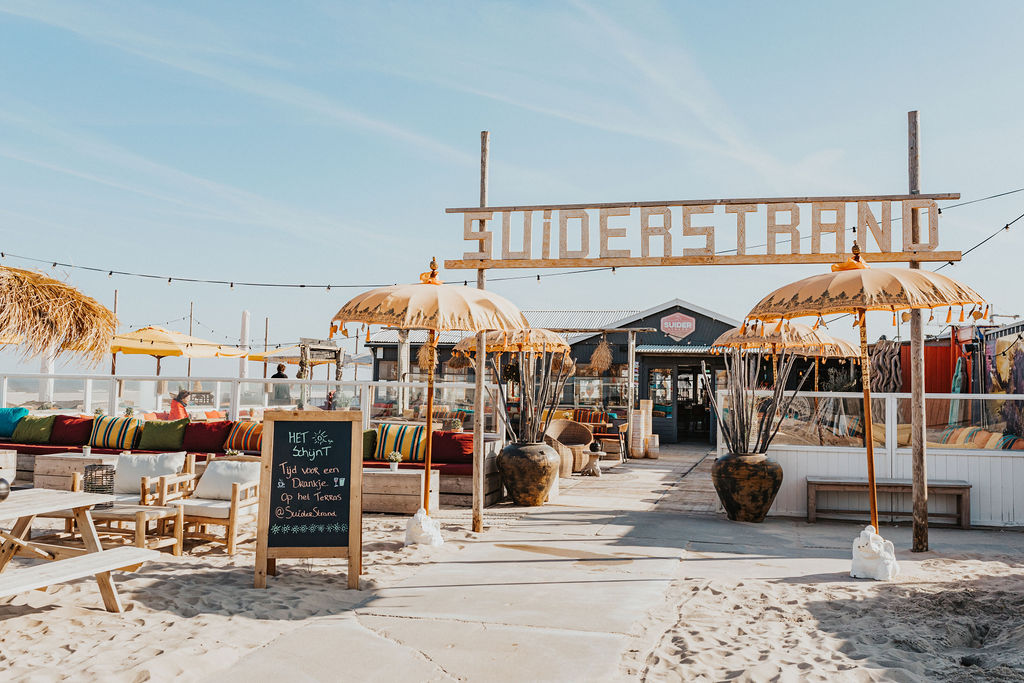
{"x":558,"y":594}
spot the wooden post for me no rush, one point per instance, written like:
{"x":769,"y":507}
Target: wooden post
{"x":113,"y":356}
{"x":403,"y":370}
{"x":869,"y":441}
{"x":191,"y":307}
{"x":481,"y":364}
{"x":631,"y":383}
{"x":266,"y":343}
{"x":917,"y":409}
{"x":432,"y":350}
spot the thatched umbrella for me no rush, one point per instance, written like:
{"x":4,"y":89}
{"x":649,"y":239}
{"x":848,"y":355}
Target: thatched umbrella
{"x":433,"y":306}
{"x":45,"y":315}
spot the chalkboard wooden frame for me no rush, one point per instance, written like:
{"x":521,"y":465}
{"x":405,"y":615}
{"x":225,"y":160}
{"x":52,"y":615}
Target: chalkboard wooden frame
{"x":266,"y":557}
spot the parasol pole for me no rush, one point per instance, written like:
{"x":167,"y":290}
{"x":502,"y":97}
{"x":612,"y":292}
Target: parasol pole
{"x":869,"y":441}
{"x":816,"y":361}
{"x":431,"y":342}
{"x":113,"y":355}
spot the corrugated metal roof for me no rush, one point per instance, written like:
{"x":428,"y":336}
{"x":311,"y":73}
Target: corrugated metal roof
{"x":575,"y":319}
{"x":657,"y":348}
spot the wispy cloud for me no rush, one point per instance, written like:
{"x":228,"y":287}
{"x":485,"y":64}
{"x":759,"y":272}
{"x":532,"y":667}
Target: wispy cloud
{"x":108,"y":28}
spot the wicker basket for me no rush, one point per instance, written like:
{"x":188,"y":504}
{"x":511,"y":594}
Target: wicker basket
{"x":99,"y":479}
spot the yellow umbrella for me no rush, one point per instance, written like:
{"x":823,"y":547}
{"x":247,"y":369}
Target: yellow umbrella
{"x":433,"y":306}
{"x":161,"y":343}
{"x":47,"y":315}
{"x":854,"y":287}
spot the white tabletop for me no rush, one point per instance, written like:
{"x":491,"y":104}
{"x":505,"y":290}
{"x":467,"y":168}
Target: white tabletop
{"x":29,"y":502}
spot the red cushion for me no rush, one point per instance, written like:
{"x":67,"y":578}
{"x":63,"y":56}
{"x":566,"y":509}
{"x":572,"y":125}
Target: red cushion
{"x":69,"y":430}
{"x":452,"y":447}
{"x":206,"y":437}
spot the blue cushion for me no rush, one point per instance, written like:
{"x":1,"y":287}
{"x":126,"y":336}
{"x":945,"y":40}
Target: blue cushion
{"x":9,"y":418}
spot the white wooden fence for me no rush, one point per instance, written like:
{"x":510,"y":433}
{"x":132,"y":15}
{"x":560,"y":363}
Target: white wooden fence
{"x":996,"y":476}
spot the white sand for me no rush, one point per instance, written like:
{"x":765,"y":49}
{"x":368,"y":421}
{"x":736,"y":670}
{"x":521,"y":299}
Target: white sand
{"x":189,"y":615}
{"x":948,"y":619}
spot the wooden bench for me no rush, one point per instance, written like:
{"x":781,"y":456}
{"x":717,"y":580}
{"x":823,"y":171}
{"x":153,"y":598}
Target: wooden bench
{"x":960,"y":489}
{"x":36,"y":577}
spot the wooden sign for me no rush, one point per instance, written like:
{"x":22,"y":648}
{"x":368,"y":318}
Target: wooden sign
{"x":680,"y":233}
{"x":310,"y":489}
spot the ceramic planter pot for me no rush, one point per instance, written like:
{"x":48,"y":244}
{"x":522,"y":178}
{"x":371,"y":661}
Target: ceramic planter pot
{"x":528,"y":471}
{"x":5,"y":489}
{"x":393,"y":466}
{"x":746,"y":484}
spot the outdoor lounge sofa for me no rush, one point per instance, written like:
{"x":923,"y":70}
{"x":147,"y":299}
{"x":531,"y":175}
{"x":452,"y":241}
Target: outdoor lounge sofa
{"x":69,"y":433}
{"x":452,"y":457}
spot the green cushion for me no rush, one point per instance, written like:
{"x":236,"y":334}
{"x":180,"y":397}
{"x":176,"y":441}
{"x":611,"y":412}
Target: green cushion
{"x":369,"y":443}
{"x":33,"y":429}
{"x":163,"y":435}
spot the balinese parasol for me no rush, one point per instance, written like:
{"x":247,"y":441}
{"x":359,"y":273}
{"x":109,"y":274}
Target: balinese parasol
{"x":44,"y":315}
{"x":853,"y":287}
{"x":796,"y":338}
{"x":433,"y":306}
{"x":160,"y":343}
{"x":555,"y":370}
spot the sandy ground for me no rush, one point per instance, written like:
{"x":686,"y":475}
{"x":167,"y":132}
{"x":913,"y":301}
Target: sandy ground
{"x":947,"y":619}
{"x":188,"y":615}
{"x":720,"y":601}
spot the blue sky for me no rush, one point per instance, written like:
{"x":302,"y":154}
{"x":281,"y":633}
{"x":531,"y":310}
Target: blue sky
{"x":321,"y":142}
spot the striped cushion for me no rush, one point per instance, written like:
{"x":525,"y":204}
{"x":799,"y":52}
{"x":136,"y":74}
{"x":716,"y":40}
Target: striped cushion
{"x":115,"y":432}
{"x":408,"y":440}
{"x":587,"y":415}
{"x":245,"y":436}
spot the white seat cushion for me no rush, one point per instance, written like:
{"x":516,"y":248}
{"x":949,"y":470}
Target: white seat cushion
{"x":127,"y":498}
{"x":205,"y":507}
{"x":221,"y":474}
{"x":132,"y":468}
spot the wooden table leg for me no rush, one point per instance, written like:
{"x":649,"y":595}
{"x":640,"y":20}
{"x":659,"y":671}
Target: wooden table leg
{"x":92,"y":543}
{"x":21,"y":530}
{"x":179,"y":531}
{"x":140,"y":529}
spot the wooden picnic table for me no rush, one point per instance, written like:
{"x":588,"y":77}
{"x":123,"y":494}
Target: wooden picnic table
{"x":66,"y":563}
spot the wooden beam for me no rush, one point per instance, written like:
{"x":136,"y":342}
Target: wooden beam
{"x":918,"y":446}
{"x":717,"y":260}
{"x":712,"y":202}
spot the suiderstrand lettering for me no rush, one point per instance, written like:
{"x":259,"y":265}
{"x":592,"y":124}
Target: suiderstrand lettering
{"x":693,"y":232}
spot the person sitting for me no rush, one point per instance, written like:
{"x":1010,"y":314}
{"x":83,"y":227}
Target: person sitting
{"x":178,"y":403}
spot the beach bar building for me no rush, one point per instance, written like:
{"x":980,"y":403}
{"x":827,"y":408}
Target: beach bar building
{"x":670,"y":342}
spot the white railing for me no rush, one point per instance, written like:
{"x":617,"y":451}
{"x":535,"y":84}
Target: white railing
{"x":113,"y":394}
{"x":978,"y":438}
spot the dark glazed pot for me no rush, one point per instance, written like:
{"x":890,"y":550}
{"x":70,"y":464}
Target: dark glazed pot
{"x":5,"y":489}
{"x":528,"y":471}
{"x":746,"y":485}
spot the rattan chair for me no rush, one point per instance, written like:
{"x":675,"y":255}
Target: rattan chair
{"x":576,"y":437}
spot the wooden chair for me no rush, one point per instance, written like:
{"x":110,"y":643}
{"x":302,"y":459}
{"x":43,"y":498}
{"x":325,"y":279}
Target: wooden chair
{"x":202,"y":513}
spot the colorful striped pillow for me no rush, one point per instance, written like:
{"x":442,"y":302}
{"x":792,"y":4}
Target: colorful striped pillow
{"x":408,"y":440}
{"x":245,"y":436}
{"x":115,"y":432}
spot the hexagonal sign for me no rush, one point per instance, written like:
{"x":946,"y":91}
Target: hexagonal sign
{"x":678,"y":325}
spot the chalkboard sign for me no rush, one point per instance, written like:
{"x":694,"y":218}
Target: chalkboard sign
{"x":310,"y":489}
